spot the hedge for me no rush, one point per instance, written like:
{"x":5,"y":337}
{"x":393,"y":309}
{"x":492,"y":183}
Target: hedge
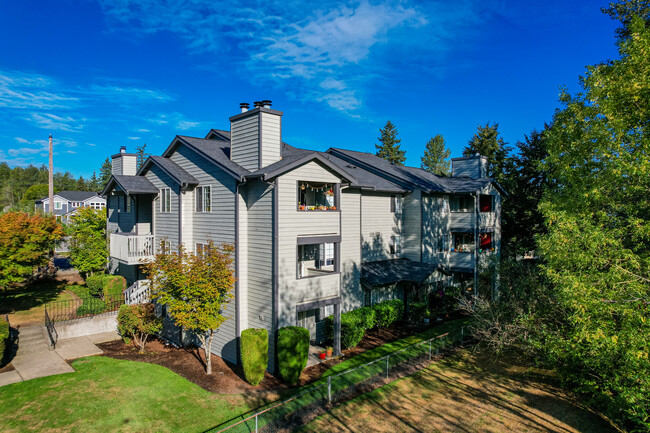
{"x":105,"y":286}
{"x":254,"y":348}
{"x":388,"y":312}
{"x":353,"y":326}
{"x":91,"y":306}
{"x":4,"y":339}
{"x":293,"y":350}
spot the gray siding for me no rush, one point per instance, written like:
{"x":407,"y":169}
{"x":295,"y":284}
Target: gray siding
{"x":245,"y":142}
{"x":435,"y":225}
{"x":166,"y":224}
{"x":412,"y":230}
{"x":292,"y":224}
{"x":378,"y":224}
{"x":218,"y":224}
{"x":351,"y":291}
{"x":271,"y":138}
{"x":124,"y":164}
{"x":259,"y":208}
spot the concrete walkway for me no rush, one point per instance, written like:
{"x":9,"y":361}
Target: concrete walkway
{"x":36,"y":359}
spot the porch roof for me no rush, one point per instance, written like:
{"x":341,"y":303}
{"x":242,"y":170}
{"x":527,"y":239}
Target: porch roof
{"x":383,"y":272}
{"x":130,"y":185}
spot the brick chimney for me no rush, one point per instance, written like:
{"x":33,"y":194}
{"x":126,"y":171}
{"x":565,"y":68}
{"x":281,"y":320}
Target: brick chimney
{"x":256,"y":136}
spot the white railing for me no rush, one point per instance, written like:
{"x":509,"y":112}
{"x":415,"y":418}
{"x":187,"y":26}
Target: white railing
{"x":137,"y":293}
{"x":132,"y":249}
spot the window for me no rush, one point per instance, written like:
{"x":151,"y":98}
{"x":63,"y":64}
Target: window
{"x":317,"y":196}
{"x":485,"y":240}
{"x":58,"y":205}
{"x":165,"y":200}
{"x":127,"y":204}
{"x":317,"y":259}
{"x":463,"y":280}
{"x":396,"y":204}
{"x":396,"y":244}
{"x":367,"y":298}
{"x":463,"y":242}
{"x":486,"y":203}
{"x":203,"y":198}
{"x":201,"y":249}
{"x":462,"y":203}
{"x":443,"y":203}
{"x":99,"y":205}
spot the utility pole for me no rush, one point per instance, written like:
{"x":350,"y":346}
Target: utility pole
{"x":50,"y":179}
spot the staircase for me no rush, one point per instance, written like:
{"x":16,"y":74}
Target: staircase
{"x":33,"y":340}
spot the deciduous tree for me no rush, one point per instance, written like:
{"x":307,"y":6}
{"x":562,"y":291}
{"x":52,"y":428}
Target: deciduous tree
{"x":196,"y":288}
{"x":26,"y":241}
{"x":598,"y":243}
{"x":388,"y":147}
{"x":87,"y":240}
{"x":436,"y":156}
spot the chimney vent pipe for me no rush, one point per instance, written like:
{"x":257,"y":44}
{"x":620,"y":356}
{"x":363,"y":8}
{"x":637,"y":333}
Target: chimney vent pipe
{"x":257,"y":104}
{"x":122,"y":149}
{"x":244,"y":106}
{"x":266,"y":103}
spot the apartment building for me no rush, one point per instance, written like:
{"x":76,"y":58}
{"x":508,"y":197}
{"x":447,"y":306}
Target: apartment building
{"x":315,"y":233}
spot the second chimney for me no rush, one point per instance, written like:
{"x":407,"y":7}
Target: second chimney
{"x":124,"y":163}
{"x":256,"y":136}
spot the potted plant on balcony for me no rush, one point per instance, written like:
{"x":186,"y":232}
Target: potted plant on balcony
{"x":330,"y":350}
{"x":322,"y":355}
{"x":302,"y":207}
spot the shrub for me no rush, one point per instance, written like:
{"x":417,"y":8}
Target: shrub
{"x":353,"y":326}
{"x":91,"y":306}
{"x":388,"y":312}
{"x":95,"y":284}
{"x":4,"y":339}
{"x":138,"y":322}
{"x":417,"y":311}
{"x":293,"y":350}
{"x":254,"y":354}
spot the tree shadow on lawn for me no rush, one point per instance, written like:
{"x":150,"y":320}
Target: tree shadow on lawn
{"x":30,"y":295}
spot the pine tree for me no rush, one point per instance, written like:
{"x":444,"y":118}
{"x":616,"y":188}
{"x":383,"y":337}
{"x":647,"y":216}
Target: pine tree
{"x":388,"y":147}
{"x":436,"y":156}
{"x":94,"y":182}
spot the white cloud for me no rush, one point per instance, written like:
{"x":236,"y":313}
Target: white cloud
{"x":133,"y":138}
{"x":21,"y":90}
{"x":56,"y":123}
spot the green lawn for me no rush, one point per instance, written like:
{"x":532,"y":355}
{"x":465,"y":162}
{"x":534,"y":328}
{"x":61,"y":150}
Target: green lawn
{"x":108,"y":395}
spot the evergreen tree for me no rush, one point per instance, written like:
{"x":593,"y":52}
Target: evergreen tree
{"x":105,"y":172}
{"x":487,"y":142}
{"x":436,"y":156}
{"x":94,"y":182}
{"x":141,"y":152}
{"x":521,"y":219}
{"x":388,"y":147}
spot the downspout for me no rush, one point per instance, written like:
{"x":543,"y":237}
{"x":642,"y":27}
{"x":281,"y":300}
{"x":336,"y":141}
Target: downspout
{"x":476,"y":244}
{"x":275,"y":273}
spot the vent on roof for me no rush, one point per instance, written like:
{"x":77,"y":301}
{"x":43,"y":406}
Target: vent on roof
{"x":244,"y":106}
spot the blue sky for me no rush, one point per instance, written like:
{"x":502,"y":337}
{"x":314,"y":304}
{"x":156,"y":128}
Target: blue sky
{"x":101,"y":74}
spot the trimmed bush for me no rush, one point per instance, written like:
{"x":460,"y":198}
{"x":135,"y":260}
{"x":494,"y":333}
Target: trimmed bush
{"x":4,"y":339}
{"x":95,"y":284}
{"x":388,"y":312}
{"x":293,"y":350}
{"x":254,"y":354}
{"x":368,"y":317}
{"x":417,"y":312}
{"x":137,"y":322}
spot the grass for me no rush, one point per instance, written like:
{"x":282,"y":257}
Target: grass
{"x":469,"y":393}
{"x":25,"y":305}
{"x":105,"y":394}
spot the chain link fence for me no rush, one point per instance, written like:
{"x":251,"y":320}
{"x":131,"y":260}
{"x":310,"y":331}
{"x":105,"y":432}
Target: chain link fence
{"x":307,"y":404}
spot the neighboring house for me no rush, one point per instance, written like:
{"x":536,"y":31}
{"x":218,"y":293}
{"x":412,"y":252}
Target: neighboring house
{"x":66,"y":203}
{"x":316,"y":233}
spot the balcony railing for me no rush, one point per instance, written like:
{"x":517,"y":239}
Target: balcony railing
{"x":132,"y":249}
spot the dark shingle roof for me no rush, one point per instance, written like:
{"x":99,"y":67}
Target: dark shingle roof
{"x":131,"y":184}
{"x":412,"y":176}
{"x":75,"y":195}
{"x":366,"y":179}
{"x":171,"y":168}
{"x":383,"y":272}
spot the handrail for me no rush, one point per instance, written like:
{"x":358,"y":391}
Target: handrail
{"x":51,"y":329}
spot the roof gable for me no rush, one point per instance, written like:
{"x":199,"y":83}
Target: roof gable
{"x":170,"y":168}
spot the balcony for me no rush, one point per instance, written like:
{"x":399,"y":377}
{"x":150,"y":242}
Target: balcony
{"x":132,"y":249}
{"x":462,"y":260}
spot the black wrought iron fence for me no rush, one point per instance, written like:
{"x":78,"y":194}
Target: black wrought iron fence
{"x":59,"y":311}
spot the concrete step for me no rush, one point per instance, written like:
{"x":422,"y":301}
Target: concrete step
{"x":33,"y":349}
{"x":31,"y":330}
{"x":32,"y":337}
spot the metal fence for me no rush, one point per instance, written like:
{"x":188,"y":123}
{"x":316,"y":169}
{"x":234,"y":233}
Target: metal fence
{"x":59,"y":311}
{"x":291,"y":413}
